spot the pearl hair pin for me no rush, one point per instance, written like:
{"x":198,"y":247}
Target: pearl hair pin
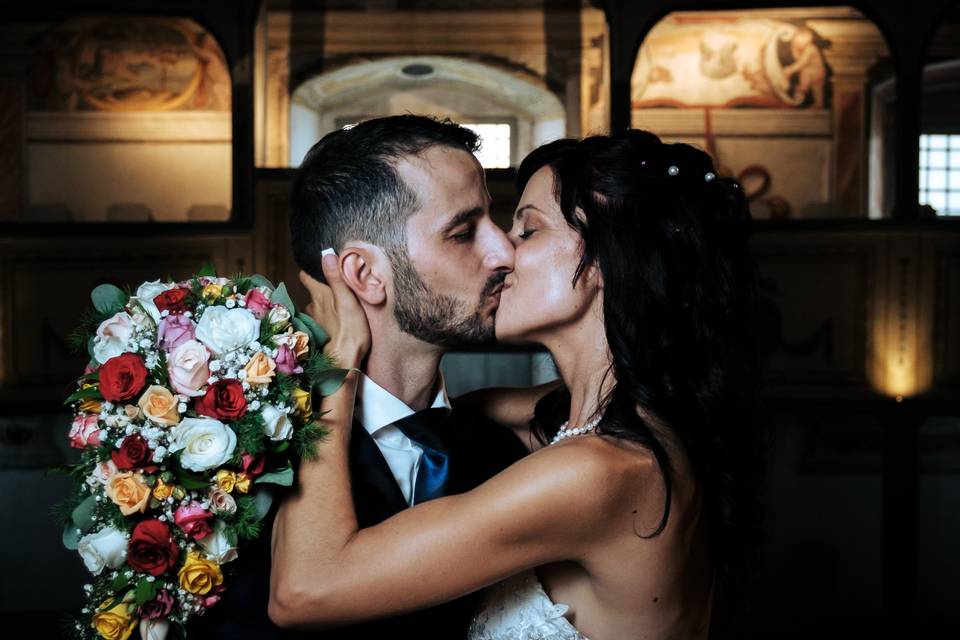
{"x":564,"y":432}
{"x":708,"y":176}
{"x":673,"y":170}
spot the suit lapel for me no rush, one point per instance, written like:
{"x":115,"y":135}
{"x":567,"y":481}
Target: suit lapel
{"x":376,"y":493}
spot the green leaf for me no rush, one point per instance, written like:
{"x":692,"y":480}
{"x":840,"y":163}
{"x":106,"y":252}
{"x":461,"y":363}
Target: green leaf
{"x":84,"y":394}
{"x":284,"y":477}
{"x":191,"y":481}
{"x":82,"y":516}
{"x":280,"y":296}
{"x":317,"y":335}
{"x":90,"y":342}
{"x":146,"y":591}
{"x":263,"y":500}
{"x":258,"y":280}
{"x":108,"y":299}
{"x":71,"y":539}
{"x":121,"y":581}
{"x":327,"y":382}
{"x":207,"y":270}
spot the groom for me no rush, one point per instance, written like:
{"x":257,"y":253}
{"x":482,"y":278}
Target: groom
{"x":404,"y":203}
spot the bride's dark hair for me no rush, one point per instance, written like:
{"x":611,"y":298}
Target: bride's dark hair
{"x":670,"y":239}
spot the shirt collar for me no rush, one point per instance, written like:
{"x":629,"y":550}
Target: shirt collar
{"x":377,"y":408}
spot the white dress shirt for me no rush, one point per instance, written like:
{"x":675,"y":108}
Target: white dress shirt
{"x":377,"y":410}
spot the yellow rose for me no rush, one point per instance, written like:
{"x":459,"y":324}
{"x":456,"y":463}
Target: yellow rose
{"x":129,"y":492}
{"x":211,"y":292}
{"x":89,"y":405}
{"x":162,"y":490}
{"x":302,"y":400}
{"x":226,"y":480}
{"x":260,"y":369}
{"x":243,"y":483}
{"x":199,"y":576}
{"x":117,"y":623}
{"x":159,"y":405}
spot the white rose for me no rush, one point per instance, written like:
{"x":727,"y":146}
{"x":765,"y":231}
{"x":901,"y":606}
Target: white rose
{"x":107,"y":547}
{"x":217,"y":546}
{"x":224,"y":330}
{"x":206,"y":443}
{"x":275,"y":423}
{"x":188,"y":368}
{"x":113,"y":335}
{"x":279,"y":316}
{"x":103,"y":472}
{"x":146,"y":292}
{"x":156,"y":629}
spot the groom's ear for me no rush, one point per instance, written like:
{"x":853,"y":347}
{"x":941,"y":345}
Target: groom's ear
{"x":363,"y":267}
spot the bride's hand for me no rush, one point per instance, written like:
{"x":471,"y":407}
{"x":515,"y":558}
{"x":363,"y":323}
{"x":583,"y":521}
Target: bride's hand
{"x":337,"y":310}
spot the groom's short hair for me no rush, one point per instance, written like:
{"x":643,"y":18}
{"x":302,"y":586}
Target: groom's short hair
{"x":348,"y":188}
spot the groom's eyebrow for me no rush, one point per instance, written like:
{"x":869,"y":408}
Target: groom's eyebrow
{"x":464,"y":216}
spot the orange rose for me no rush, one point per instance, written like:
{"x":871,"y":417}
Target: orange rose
{"x":159,"y":405}
{"x":260,"y":369}
{"x":129,"y":492}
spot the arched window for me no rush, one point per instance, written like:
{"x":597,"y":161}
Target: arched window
{"x":940,"y":124}
{"x":512,"y":114}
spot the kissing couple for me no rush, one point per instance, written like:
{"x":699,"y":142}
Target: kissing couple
{"x":618,"y":502}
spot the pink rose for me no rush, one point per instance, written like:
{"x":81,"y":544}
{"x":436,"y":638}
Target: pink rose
{"x":90,"y":368}
{"x":174,"y":330}
{"x":209,"y":601}
{"x":257,"y":303}
{"x":84,"y":432}
{"x":286,"y":360}
{"x":188,"y":368}
{"x":159,"y":607}
{"x":193,"y":520}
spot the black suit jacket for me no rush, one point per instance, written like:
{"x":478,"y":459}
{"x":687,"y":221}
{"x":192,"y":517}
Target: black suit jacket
{"x":479,"y":449}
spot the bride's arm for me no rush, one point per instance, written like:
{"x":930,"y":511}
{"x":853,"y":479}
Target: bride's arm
{"x":326,"y":571}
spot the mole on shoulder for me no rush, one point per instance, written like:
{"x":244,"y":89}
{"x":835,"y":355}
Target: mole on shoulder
{"x":634,"y":511}
{"x":656,"y":599}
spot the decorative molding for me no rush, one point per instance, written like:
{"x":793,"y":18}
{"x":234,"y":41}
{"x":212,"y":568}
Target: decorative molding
{"x":184,"y":126}
{"x":735,"y":122}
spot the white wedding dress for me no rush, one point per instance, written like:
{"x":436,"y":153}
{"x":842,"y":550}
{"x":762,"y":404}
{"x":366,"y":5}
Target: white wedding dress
{"x":519,"y":609}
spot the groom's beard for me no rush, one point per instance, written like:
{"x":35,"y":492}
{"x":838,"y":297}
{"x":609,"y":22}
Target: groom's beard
{"x":434,"y":317}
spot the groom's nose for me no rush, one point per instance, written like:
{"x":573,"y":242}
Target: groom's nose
{"x":499,"y":250}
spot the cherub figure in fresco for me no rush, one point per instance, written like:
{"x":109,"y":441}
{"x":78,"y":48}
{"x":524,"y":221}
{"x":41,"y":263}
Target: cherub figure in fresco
{"x":808,"y":66}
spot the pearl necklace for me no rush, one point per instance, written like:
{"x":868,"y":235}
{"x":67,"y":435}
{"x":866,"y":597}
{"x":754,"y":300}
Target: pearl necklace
{"x":564,"y":432}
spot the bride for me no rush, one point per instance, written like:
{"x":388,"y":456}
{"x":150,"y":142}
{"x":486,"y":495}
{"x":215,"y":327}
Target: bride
{"x":633,"y":512}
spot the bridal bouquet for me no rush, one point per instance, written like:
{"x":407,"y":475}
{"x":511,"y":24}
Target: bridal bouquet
{"x":195,"y":400}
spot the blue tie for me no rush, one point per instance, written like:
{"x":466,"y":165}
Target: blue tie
{"x":422,"y":428}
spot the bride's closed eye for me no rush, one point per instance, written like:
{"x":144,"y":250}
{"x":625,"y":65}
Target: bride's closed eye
{"x":526,"y":233}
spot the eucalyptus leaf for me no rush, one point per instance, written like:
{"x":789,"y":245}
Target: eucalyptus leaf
{"x":258,"y":280}
{"x":262,"y":501}
{"x":82,"y":515}
{"x":108,"y":298}
{"x":327,"y":382}
{"x":71,"y":539}
{"x":280,"y":296}
{"x":90,"y":352}
{"x":317,"y":333}
{"x":284,"y":477}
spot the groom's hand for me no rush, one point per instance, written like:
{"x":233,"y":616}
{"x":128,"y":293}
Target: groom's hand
{"x":335,"y":308}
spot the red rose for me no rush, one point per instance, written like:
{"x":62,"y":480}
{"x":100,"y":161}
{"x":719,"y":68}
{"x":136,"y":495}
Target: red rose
{"x":134,"y":453}
{"x":151,"y":548}
{"x":122,"y":377}
{"x":253,"y":465}
{"x":173,"y":300}
{"x":223,"y":400}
